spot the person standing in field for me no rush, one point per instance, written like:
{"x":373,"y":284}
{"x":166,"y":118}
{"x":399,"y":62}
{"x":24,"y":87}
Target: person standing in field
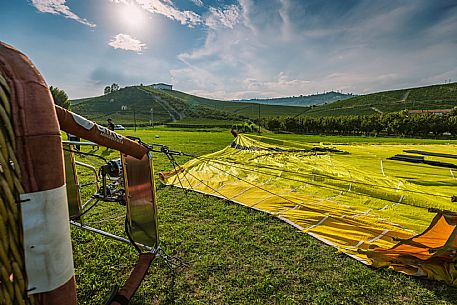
{"x":74,"y":138}
{"x":110,"y":124}
{"x":110,"y":127}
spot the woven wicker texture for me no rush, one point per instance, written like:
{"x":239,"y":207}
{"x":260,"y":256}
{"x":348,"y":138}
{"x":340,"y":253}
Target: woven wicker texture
{"x":13,"y":283}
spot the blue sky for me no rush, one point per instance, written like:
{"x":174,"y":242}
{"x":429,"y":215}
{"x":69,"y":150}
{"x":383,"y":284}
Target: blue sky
{"x":236,"y":49}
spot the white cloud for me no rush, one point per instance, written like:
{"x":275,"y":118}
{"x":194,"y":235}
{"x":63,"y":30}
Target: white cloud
{"x":293,"y":47}
{"x":198,"y":2}
{"x":126,"y":42}
{"x":280,"y":86}
{"x":167,"y":9}
{"x":228,"y":16}
{"x":58,"y":7}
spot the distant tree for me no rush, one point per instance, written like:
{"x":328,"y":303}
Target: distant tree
{"x":60,"y":97}
{"x":114,"y":87}
{"x":454,"y":111}
{"x":291,"y":124}
{"x":274,"y":124}
{"x":452,"y":125}
{"x":107,"y":90}
{"x":254,"y":127}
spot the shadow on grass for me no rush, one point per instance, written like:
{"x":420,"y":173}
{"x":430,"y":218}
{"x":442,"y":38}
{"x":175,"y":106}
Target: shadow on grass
{"x":167,"y":285}
{"x":106,"y":152}
{"x":440,"y":289}
{"x":170,"y":295}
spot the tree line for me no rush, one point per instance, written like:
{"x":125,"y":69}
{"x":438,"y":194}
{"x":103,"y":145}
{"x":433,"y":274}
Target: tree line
{"x":109,"y":89}
{"x":400,"y":123}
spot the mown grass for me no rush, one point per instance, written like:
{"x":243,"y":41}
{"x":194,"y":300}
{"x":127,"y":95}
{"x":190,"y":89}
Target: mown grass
{"x":357,"y":139}
{"x":202,"y":123}
{"x":235,"y":255}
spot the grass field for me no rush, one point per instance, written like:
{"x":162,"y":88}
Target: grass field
{"x":202,"y":123}
{"x":235,"y":255}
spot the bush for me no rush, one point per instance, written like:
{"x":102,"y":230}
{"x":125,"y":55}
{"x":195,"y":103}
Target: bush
{"x":246,"y":127}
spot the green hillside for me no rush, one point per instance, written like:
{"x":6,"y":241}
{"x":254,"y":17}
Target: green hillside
{"x":250,"y":110}
{"x":144,"y":104}
{"x":161,"y":106}
{"x":126,"y":103}
{"x":429,"y":97}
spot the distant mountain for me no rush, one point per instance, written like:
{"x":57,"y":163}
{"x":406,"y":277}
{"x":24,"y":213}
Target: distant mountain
{"x":442,"y":96}
{"x":303,"y":100}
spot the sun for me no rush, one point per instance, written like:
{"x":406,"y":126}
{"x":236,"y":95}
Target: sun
{"x":132,"y":16}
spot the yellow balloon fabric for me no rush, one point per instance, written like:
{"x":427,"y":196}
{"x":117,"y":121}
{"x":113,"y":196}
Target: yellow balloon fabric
{"x":348,"y":196}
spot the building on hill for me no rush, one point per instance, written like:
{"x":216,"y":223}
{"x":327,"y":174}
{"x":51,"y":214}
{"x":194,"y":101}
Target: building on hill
{"x":433,"y":111}
{"x":162,"y":86}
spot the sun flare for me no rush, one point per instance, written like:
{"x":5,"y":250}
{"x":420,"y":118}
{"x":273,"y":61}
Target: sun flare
{"x":132,"y":16}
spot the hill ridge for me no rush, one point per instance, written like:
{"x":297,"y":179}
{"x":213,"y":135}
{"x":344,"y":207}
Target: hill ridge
{"x":147,"y":105}
{"x":302,"y":100}
{"x":439,"y":96}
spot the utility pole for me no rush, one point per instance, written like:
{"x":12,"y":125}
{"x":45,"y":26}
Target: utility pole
{"x":152,"y":116}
